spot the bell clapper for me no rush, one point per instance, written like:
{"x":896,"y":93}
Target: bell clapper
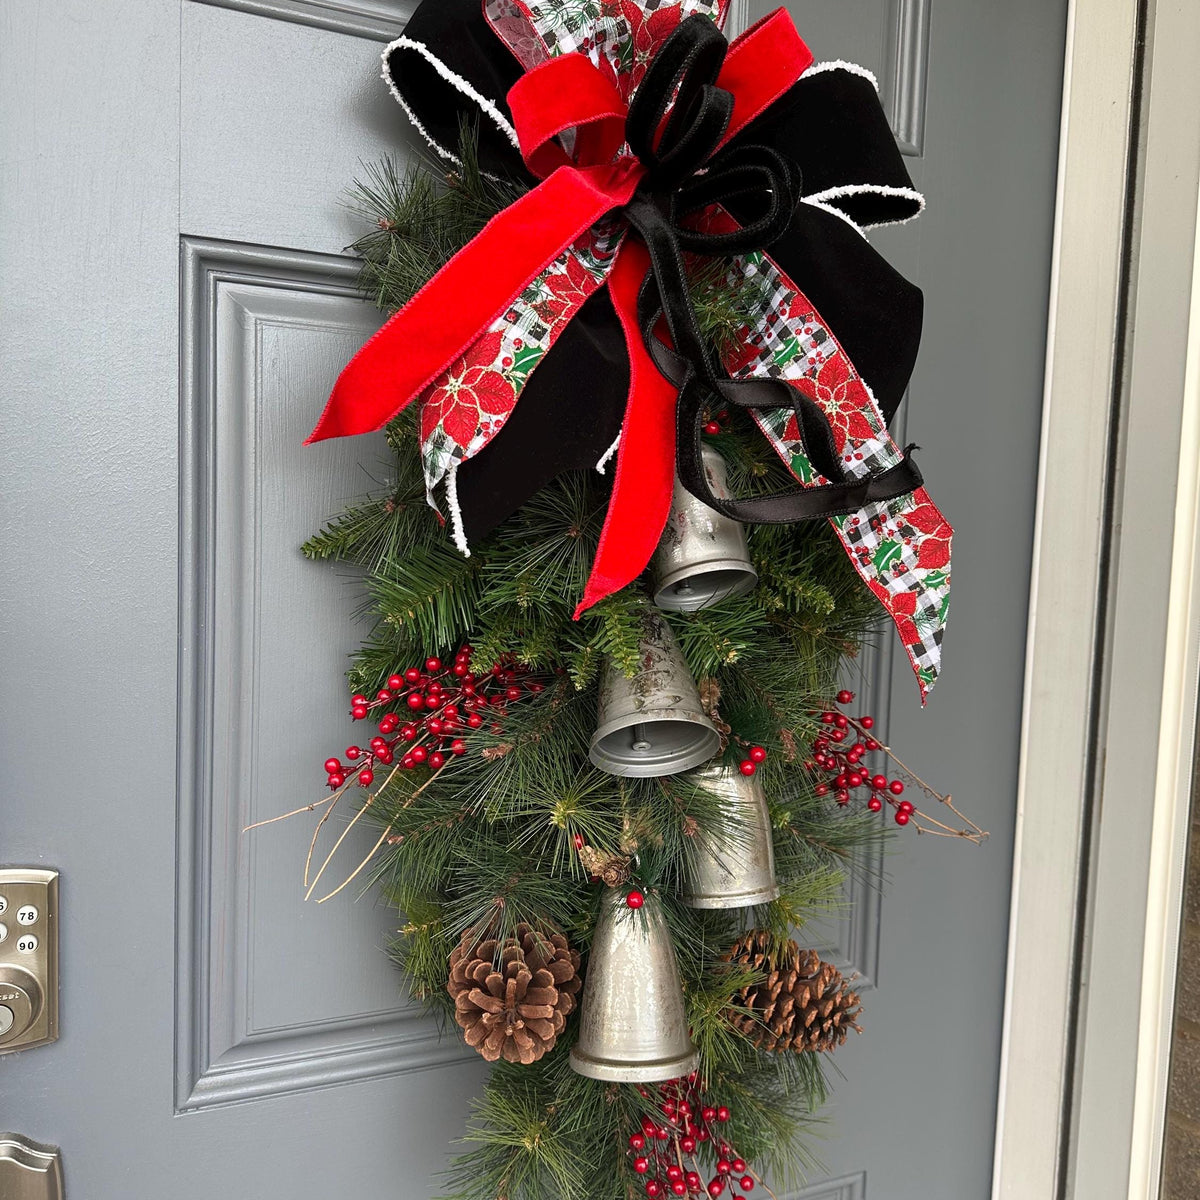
{"x":641,"y":742}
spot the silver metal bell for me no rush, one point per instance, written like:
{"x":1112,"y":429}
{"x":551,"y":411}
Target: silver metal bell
{"x":741,"y":871}
{"x":633,"y":1025}
{"x":652,"y":724}
{"x":702,"y":557}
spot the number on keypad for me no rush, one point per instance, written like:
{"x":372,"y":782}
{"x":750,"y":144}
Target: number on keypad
{"x":27,"y":943}
{"x":26,"y":914}
{"x":3,"y":904}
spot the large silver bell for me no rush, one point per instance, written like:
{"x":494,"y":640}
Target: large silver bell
{"x":741,"y":870}
{"x":702,"y":557}
{"x":652,"y":724}
{"x":633,"y":1025}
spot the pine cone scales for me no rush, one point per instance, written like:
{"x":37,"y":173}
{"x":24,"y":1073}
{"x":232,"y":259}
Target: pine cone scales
{"x":803,"y":1004}
{"x":512,"y":1000}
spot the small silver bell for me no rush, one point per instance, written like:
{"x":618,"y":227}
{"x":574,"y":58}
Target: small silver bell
{"x":633,"y":1025}
{"x":652,"y":724}
{"x":740,"y":872}
{"x":702,"y":558}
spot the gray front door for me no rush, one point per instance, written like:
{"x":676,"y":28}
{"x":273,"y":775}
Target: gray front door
{"x":176,"y":306}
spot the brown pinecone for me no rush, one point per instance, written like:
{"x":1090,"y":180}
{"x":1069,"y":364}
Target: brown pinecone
{"x":803,"y":1004}
{"x":512,"y":1000}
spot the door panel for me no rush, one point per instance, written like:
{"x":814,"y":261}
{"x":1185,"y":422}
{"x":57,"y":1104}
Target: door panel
{"x":914,"y":1114}
{"x":173,"y":179}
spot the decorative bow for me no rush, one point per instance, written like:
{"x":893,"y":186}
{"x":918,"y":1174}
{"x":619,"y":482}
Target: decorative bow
{"x":670,"y":165}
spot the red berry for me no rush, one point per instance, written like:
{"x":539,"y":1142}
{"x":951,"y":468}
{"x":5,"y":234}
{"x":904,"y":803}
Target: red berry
{"x":724,"y":1166}
{"x":637,"y":1141}
{"x":458,"y":746}
{"x":716,"y":1186}
{"x":336,"y":779}
{"x":352,"y":752}
{"x":513,"y":693}
{"x":872,"y":744}
{"x":841,"y":720}
{"x":434,"y":725}
{"x":709,"y":1114}
{"x":867,"y":722}
{"x":896,"y":787}
{"x":902,"y":818}
{"x":416,"y":700}
{"x":679,"y":1188}
{"x":827,"y":718}
{"x":674,"y":1171}
{"x":746,"y":1183}
{"x":685,"y":1109}
{"x":383,"y":696}
{"x":843,"y":697}
{"x":358,"y":712}
{"x":687,"y":1144}
{"x":433,"y":700}
{"x":332,"y":766}
{"x":474,"y":720}
{"x":653,"y":1188}
{"x":875,"y":804}
{"x":385,"y":757}
{"x":879,"y":782}
{"x":738,"y":1165}
{"x":692,"y":1178}
{"x":906,"y":806}
{"x":366,"y":777}
{"x":395,"y":682}
{"x":854,"y":779}
{"x":437,"y":760}
{"x":358,"y":698}
{"x":408,"y":762}
{"x":841,"y":780}
{"x":747,"y":767}
{"x":450,"y":712}
{"x":419,"y":754}
{"x":757,"y":754}
{"x":389,"y":723}
{"x":433,"y":664}
{"x":409,"y":733}
{"x":838,"y":735}
{"x":641,"y":1165}
{"x":822,"y":789}
{"x":711,"y":427}
{"x":722,"y":1113}
{"x":843,"y":798}
{"x":635,"y":899}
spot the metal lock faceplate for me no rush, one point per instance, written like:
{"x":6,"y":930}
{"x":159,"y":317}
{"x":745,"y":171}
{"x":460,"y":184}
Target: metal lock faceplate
{"x":28,"y":957}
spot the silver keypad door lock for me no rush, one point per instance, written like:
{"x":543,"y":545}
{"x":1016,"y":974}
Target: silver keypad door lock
{"x":28,"y":957}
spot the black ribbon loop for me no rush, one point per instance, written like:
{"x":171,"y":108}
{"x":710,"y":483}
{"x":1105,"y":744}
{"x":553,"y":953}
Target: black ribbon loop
{"x":687,"y":172}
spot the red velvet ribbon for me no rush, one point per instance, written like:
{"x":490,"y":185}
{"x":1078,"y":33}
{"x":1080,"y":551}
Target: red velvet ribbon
{"x":482,"y":281}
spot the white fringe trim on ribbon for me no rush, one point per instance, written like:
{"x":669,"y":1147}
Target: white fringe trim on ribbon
{"x":840,"y":64}
{"x":456,"y":521}
{"x":823,"y":200}
{"x":607,"y":455}
{"x":457,"y":82}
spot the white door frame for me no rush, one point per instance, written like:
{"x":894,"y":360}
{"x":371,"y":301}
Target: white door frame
{"x":1114,"y":628}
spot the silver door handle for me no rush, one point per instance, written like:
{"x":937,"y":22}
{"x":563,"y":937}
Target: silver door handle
{"x":29,"y":1170}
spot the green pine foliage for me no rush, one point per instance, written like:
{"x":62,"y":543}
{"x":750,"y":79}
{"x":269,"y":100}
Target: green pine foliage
{"x":492,"y":836}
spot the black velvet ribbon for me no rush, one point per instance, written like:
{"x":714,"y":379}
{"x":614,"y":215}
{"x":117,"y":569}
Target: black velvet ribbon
{"x":686,"y":175}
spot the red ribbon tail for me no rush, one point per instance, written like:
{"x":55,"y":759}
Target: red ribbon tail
{"x":472,"y":291}
{"x":645,"y":472}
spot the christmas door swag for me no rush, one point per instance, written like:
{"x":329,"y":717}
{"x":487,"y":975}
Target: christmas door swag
{"x":651,"y":701}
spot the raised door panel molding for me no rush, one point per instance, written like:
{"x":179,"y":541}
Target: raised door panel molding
{"x":906,"y":72}
{"x":849,"y":1187}
{"x":275,"y":995}
{"x":380,"y":20}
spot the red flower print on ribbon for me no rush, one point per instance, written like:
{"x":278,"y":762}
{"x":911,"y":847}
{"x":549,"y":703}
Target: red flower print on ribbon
{"x":569,"y":291}
{"x":934,"y":550}
{"x":469,"y":389}
{"x":903,"y":607}
{"x":649,"y":31}
{"x":844,"y":400}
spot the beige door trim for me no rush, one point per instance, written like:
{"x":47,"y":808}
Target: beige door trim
{"x":1109,"y":700}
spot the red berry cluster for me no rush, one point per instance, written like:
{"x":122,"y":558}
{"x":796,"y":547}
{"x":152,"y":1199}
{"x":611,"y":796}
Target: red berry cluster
{"x":716,"y":421}
{"x":845,"y":765}
{"x":665,"y":1150}
{"x":441,"y":702}
{"x":749,"y":764}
